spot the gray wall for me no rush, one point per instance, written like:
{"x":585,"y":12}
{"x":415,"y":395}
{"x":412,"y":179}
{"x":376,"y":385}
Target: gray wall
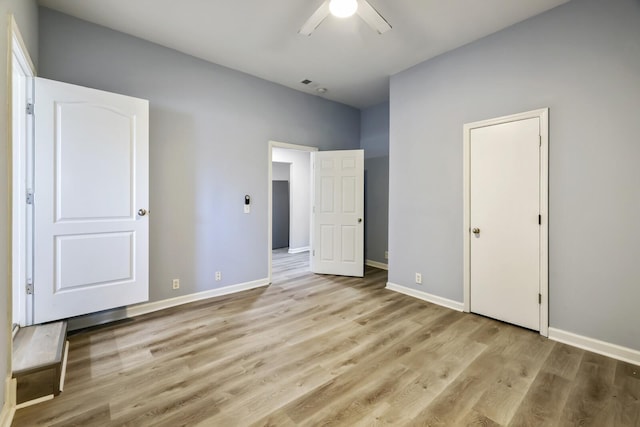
{"x":280,"y":174}
{"x":209,"y":133}
{"x":280,"y":216}
{"x":374,"y":139}
{"x":582,"y":60}
{"x":26,"y":16}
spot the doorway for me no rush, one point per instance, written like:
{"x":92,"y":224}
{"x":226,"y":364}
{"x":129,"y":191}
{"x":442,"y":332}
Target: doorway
{"x":299,"y":191}
{"x":329,"y":220}
{"x":505,"y":219}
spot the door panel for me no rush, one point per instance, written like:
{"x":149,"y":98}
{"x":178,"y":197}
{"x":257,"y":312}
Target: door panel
{"x":505,"y":204}
{"x":93,"y":182}
{"x":349,"y":194}
{"x":326,"y":193}
{"x":89,"y":249}
{"x":91,"y":177}
{"x":349,"y":235}
{"x":337,"y":226}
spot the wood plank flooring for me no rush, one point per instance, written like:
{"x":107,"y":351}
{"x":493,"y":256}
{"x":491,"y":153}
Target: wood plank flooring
{"x":322,"y":350}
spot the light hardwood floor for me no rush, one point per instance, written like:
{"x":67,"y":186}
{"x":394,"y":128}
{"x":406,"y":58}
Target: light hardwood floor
{"x":324,"y":350}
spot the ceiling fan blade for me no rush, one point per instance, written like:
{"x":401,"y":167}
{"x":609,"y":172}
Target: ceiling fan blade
{"x":372,"y":17}
{"x":315,"y":20}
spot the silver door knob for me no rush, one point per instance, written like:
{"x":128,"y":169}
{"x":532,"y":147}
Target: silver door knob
{"x":142,"y":212}
{"x":476,"y":231}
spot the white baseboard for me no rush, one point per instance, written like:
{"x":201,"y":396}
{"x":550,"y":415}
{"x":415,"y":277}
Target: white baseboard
{"x":601,"y":347}
{"x":144,"y":308}
{"x":376,"y":264}
{"x":9,"y":406}
{"x":299,"y":250}
{"x":454,"y":305}
{"x":604,"y":348}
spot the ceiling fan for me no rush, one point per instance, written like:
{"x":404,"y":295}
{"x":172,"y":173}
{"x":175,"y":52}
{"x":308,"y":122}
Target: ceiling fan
{"x":344,"y":9}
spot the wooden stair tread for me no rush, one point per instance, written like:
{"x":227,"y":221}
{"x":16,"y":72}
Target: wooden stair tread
{"x":38,"y":347}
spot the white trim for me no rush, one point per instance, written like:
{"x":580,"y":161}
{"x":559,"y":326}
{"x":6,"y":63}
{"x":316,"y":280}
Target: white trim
{"x":22,"y":70}
{"x":22,"y":50}
{"x":6,"y":416}
{"x":144,"y":308}
{"x":35,"y":401}
{"x":9,"y":407}
{"x":271,"y":146}
{"x":376,"y":264}
{"x":543,"y":115}
{"x":299,"y":250}
{"x":544,"y":227}
{"x":454,"y":305}
{"x":63,"y":372}
{"x":18,"y":50}
{"x":604,"y":348}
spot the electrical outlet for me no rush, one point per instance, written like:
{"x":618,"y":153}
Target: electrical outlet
{"x":176,"y":283}
{"x":386,"y":254}
{"x":419,"y":278}
{"x":218,"y":275}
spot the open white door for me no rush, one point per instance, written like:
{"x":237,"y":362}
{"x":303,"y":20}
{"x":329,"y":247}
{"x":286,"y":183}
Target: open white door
{"x":337,"y":227}
{"x":90,"y":200}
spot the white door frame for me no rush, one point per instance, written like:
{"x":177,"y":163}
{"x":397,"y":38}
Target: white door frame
{"x":272,"y":145}
{"x":543,"y":115}
{"x":21,"y":131}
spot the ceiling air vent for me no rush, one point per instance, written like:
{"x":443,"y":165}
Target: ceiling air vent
{"x":305,"y":81}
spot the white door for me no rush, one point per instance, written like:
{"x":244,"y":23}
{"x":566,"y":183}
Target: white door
{"x":337,"y":226}
{"x":90,"y":199}
{"x":504,"y":221}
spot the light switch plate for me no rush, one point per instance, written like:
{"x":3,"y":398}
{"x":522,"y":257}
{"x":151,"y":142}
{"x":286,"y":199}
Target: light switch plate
{"x":247,"y":208}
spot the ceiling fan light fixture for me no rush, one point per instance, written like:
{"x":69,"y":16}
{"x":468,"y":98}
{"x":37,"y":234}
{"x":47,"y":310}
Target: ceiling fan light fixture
{"x":343,"y":8}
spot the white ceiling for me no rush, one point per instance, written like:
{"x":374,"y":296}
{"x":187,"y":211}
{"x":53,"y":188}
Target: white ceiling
{"x":260,"y":37}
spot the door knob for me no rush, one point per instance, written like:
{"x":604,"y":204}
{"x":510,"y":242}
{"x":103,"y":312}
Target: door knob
{"x":142,"y":212}
{"x":359,"y":220}
{"x":476,"y":231}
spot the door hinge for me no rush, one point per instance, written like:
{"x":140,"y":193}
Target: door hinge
{"x":29,"y":108}
{"x":540,"y":140}
{"x":313,"y":209}
{"x":29,"y":287}
{"x":313,"y":252}
{"x":539,"y":298}
{"x":539,"y":219}
{"x":29,"y":197}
